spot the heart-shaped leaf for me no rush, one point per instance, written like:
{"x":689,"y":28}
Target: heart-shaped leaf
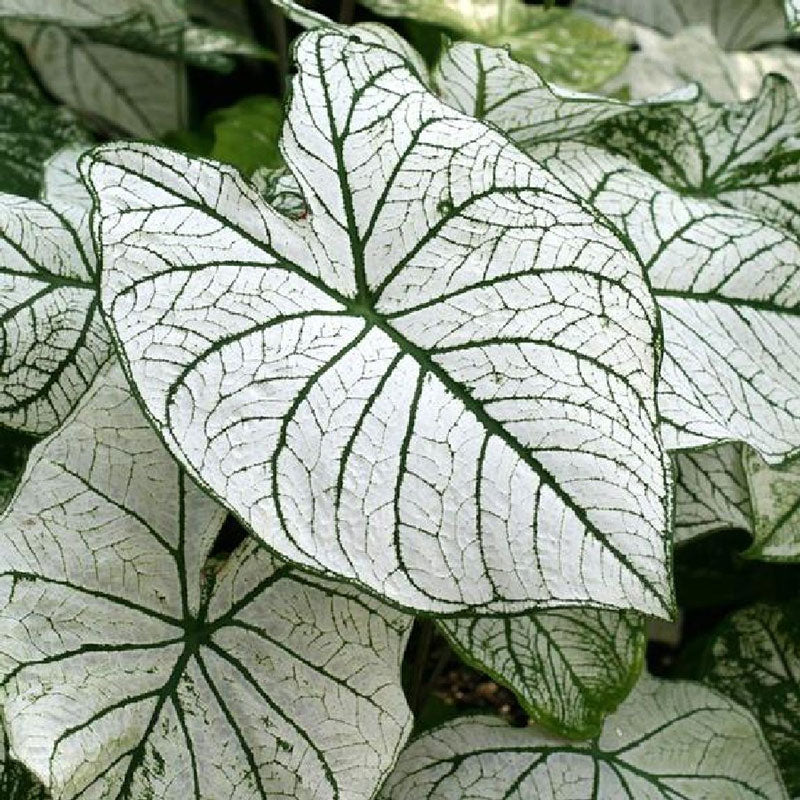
{"x":754,"y":657}
{"x":438,"y":384}
{"x":568,"y":667}
{"x":737,"y":24}
{"x":709,"y":196}
{"x":133,"y":667}
{"x":669,"y":740}
{"x":52,"y":339}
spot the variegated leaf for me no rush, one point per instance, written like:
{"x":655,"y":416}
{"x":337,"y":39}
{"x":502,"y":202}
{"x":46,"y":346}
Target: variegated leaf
{"x":568,"y":667}
{"x":134,"y":667}
{"x":438,"y":384}
{"x":669,"y":740}
{"x":52,"y":339}
{"x":754,"y":658}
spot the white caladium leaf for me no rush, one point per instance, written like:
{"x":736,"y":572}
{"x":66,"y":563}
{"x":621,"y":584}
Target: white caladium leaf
{"x":438,"y":384}
{"x":711,"y":492}
{"x":662,"y":64}
{"x":139,"y":94}
{"x":177,"y":677}
{"x":737,"y":24}
{"x":775,"y":499}
{"x":52,"y":339}
{"x":708,"y":194}
{"x":669,"y":740}
{"x":754,"y":658}
{"x":488,"y":83}
{"x":568,"y":667}
{"x":90,"y":13}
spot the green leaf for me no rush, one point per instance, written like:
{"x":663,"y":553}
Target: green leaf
{"x":737,"y":24}
{"x":31,"y":128}
{"x":562,"y":46}
{"x":775,"y":499}
{"x":754,"y":658}
{"x":171,"y":676}
{"x":16,"y":783}
{"x":246,"y":134}
{"x":661,"y":64}
{"x":709,"y":196}
{"x":711,"y":492}
{"x":438,"y":384}
{"x":52,"y":340}
{"x":568,"y":667}
{"x":669,"y":740}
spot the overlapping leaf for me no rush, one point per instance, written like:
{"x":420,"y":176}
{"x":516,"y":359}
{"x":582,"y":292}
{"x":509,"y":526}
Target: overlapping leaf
{"x":661,"y":64}
{"x":775,"y":501}
{"x":793,"y":14}
{"x":52,"y":340}
{"x":562,"y":46}
{"x":708,"y":195}
{"x":711,"y":492}
{"x":568,"y":667}
{"x":90,"y":13}
{"x":134,"y":667}
{"x":669,"y":740}
{"x":439,"y":383}
{"x":754,"y":658}
{"x":737,"y":24}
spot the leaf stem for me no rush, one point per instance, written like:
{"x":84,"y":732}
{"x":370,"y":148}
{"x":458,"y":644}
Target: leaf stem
{"x":280,"y":41}
{"x":416,"y":696}
{"x":347,"y":12}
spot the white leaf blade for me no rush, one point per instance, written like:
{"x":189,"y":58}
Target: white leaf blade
{"x":567,"y":667}
{"x":668,"y":740}
{"x":52,"y":339}
{"x":737,"y":24}
{"x":173,"y":684}
{"x":707,"y":193}
{"x":377,"y":356}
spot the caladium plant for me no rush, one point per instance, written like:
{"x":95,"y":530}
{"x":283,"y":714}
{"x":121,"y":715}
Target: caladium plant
{"x":425,"y":373}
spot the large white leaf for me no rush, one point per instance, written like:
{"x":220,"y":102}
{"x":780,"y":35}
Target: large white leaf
{"x":737,"y":24}
{"x":711,"y":492}
{"x":754,"y":658}
{"x":132,"y":667}
{"x":52,"y":339}
{"x":568,"y":667}
{"x":661,"y":64}
{"x":708,"y":195}
{"x":438,"y":384}
{"x":668,"y":741}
